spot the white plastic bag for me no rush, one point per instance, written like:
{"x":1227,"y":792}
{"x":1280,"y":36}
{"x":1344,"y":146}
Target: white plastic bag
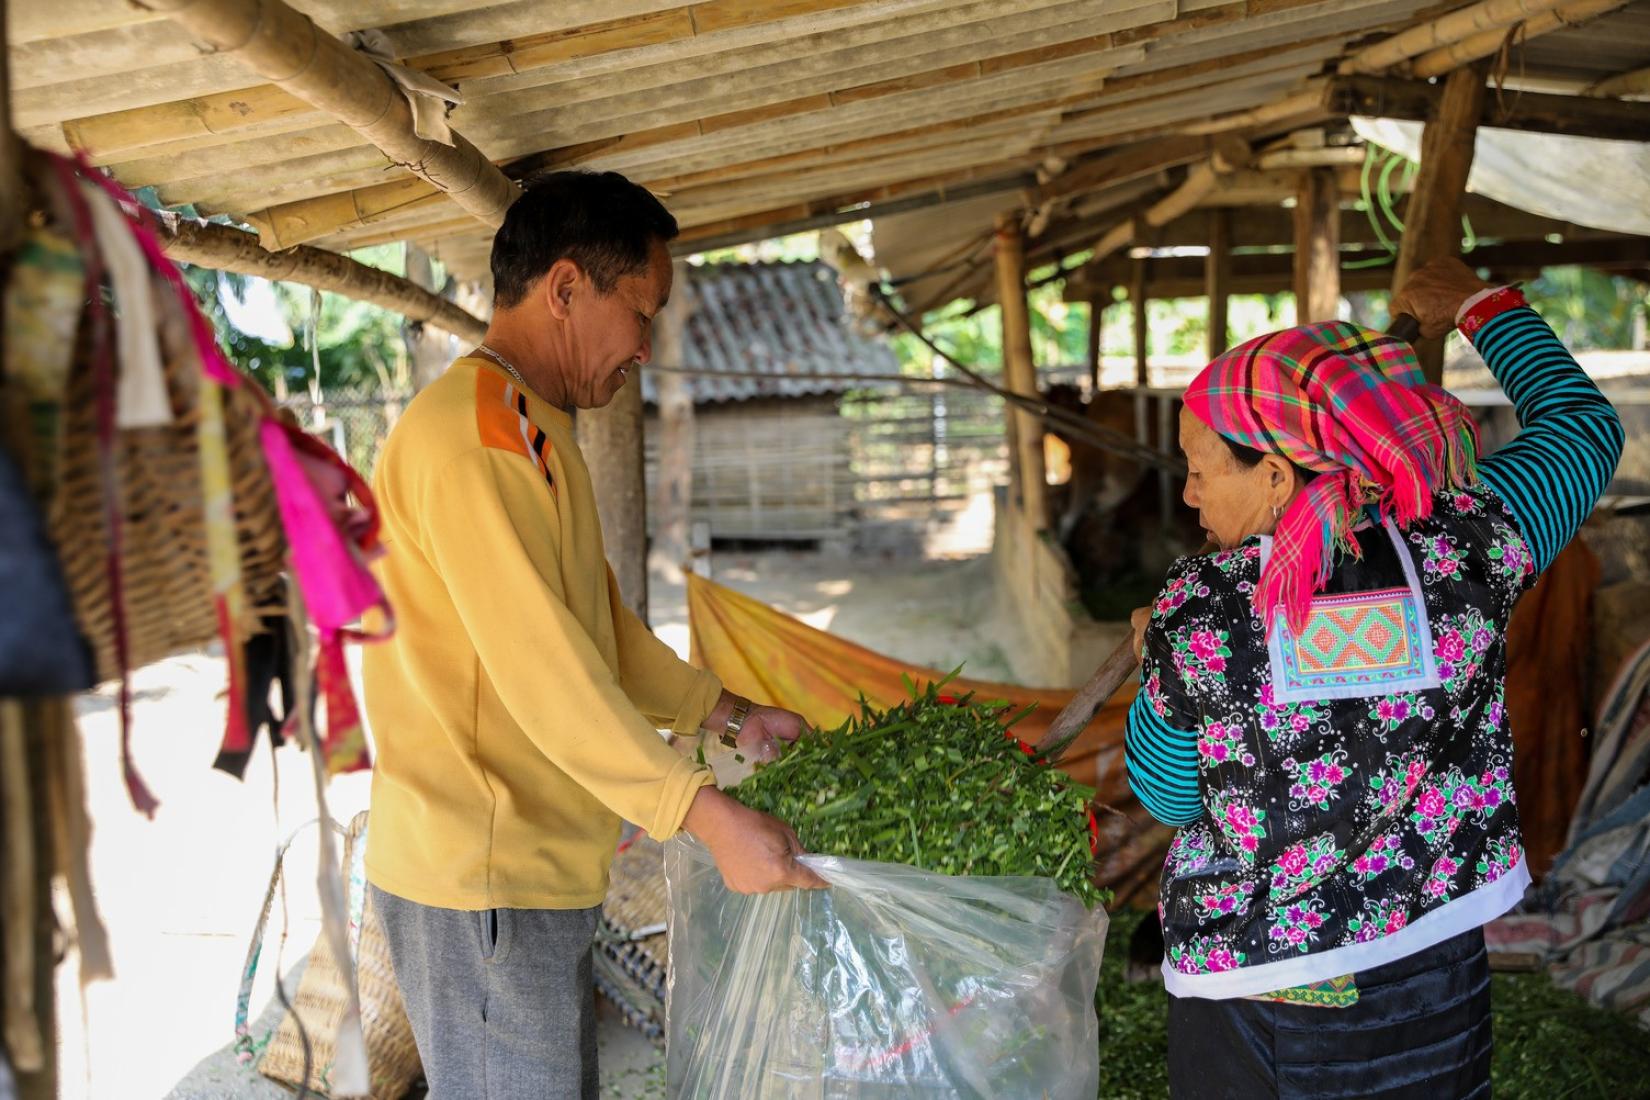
{"x":895,"y":982}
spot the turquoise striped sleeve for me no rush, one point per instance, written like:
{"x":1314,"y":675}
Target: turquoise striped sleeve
{"x":1162,"y":765}
{"x":1554,"y":472}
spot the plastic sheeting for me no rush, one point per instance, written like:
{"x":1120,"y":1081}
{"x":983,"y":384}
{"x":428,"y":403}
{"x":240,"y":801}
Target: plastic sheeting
{"x":893,"y":983}
{"x":1587,"y":181}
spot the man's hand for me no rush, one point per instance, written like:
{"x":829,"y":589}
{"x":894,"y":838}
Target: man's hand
{"x":764,"y":727}
{"x":1433,"y":294}
{"x":1140,"y":618}
{"x":756,"y":853}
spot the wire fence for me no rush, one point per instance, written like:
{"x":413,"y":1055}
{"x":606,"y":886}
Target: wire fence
{"x":901,"y":450}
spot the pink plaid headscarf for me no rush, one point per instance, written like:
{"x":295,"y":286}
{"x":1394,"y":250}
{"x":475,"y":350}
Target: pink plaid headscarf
{"x":1352,"y":405}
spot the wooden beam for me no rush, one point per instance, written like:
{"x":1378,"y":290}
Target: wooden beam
{"x":1418,"y":101}
{"x":1097,"y":317}
{"x":673,"y":485}
{"x":1217,"y":273}
{"x":14,"y":194}
{"x":229,"y":249}
{"x":1432,"y":219}
{"x":285,"y":47}
{"x":1488,"y":43}
{"x":1317,"y":247}
{"x":1270,"y":272}
{"x":610,"y":439}
{"x":1019,"y":368}
{"x":1142,"y":323}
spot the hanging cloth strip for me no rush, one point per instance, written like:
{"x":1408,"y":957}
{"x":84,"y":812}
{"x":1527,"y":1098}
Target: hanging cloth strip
{"x":329,"y":545}
{"x":429,"y":99}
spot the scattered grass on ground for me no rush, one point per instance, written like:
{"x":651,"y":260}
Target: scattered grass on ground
{"x":1549,"y":1043}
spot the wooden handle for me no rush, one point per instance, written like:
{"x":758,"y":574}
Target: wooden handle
{"x":1405,"y":328}
{"x":1111,"y":675}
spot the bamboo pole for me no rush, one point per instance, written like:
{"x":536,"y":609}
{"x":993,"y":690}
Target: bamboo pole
{"x":1301,"y":103}
{"x":1020,"y":369}
{"x":1490,"y":15}
{"x":287,"y":48}
{"x":1636,"y":83}
{"x":1487,"y":43}
{"x":1200,"y":180}
{"x":229,"y":249}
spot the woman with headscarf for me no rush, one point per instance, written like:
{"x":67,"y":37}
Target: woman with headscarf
{"x":1321,"y":706}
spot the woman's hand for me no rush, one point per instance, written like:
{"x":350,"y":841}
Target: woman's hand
{"x":1433,"y":294}
{"x":1140,"y":619}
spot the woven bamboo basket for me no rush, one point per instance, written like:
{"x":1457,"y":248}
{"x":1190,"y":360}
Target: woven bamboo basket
{"x":392,"y":1057}
{"x":631,"y":971}
{"x":166,"y":578}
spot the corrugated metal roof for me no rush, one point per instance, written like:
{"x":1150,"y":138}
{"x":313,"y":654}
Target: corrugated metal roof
{"x":782,"y":320}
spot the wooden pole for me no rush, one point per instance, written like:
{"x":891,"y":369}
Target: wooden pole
{"x":1142,"y":328}
{"x":611,"y":441}
{"x":673,"y":484}
{"x":28,"y":926}
{"x":1019,"y":367}
{"x":14,"y":195}
{"x":430,"y":353}
{"x":1097,"y":317}
{"x":229,"y":249}
{"x":285,"y":47}
{"x":1432,"y":219}
{"x":1317,"y":246}
{"x":1217,"y":274}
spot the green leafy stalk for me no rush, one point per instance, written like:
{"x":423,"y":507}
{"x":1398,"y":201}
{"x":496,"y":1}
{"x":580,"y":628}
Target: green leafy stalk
{"x":936,"y":785}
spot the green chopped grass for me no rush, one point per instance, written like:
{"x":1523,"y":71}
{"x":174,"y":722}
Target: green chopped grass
{"x":1549,"y":1043}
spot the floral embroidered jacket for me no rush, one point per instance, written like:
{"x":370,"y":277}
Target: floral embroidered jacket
{"x":1346,"y":792}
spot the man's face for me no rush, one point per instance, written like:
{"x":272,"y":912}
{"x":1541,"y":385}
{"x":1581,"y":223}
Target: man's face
{"x":612,"y":334}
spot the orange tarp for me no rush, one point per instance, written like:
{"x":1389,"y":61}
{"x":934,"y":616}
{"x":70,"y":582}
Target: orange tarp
{"x":765,"y":654}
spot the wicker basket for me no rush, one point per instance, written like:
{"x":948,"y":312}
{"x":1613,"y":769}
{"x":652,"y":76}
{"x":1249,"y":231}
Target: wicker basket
{"x":166,"y":577}
{"x":392,"y":1058}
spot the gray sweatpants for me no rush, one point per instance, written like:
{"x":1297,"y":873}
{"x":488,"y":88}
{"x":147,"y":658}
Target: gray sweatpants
{"x":500,"y":1000}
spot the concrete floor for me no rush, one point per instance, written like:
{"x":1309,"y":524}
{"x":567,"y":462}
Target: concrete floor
{"x":180,"y":894}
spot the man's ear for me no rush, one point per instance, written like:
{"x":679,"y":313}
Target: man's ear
{"x":557,"y":287}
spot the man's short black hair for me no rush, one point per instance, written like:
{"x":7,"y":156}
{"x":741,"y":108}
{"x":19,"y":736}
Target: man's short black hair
{"x":600,"y":221}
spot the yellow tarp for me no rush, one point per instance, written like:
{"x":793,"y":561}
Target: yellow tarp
{"x":765,"y":654}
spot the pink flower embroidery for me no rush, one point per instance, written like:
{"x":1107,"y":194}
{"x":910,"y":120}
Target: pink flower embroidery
{"x":1293,"y":860}
{"x":1432,"y":802}
{"x":1451,"y":646}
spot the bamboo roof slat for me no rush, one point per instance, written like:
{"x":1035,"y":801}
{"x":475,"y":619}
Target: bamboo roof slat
{"x":758,"y":115}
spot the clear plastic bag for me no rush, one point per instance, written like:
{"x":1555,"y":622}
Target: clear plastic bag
{"x":895,"y":982}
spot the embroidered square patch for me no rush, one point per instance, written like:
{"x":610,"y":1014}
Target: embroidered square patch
{"x":1354,"y":645}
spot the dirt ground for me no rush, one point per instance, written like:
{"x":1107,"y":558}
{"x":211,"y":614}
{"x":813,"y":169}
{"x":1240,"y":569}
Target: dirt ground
{"x":180,"y":894}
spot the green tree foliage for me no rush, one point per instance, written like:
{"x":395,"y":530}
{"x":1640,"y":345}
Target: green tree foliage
{"x":360,"y":345}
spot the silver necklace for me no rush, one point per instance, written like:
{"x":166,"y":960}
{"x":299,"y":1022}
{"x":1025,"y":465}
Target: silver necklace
{"x":505,"y":363}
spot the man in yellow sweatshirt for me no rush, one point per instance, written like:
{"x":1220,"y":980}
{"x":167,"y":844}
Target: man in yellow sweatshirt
{"x":516,"y":709}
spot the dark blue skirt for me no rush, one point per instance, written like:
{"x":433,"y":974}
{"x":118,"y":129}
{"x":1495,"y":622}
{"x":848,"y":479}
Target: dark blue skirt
{"x":1421,"y":1029}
